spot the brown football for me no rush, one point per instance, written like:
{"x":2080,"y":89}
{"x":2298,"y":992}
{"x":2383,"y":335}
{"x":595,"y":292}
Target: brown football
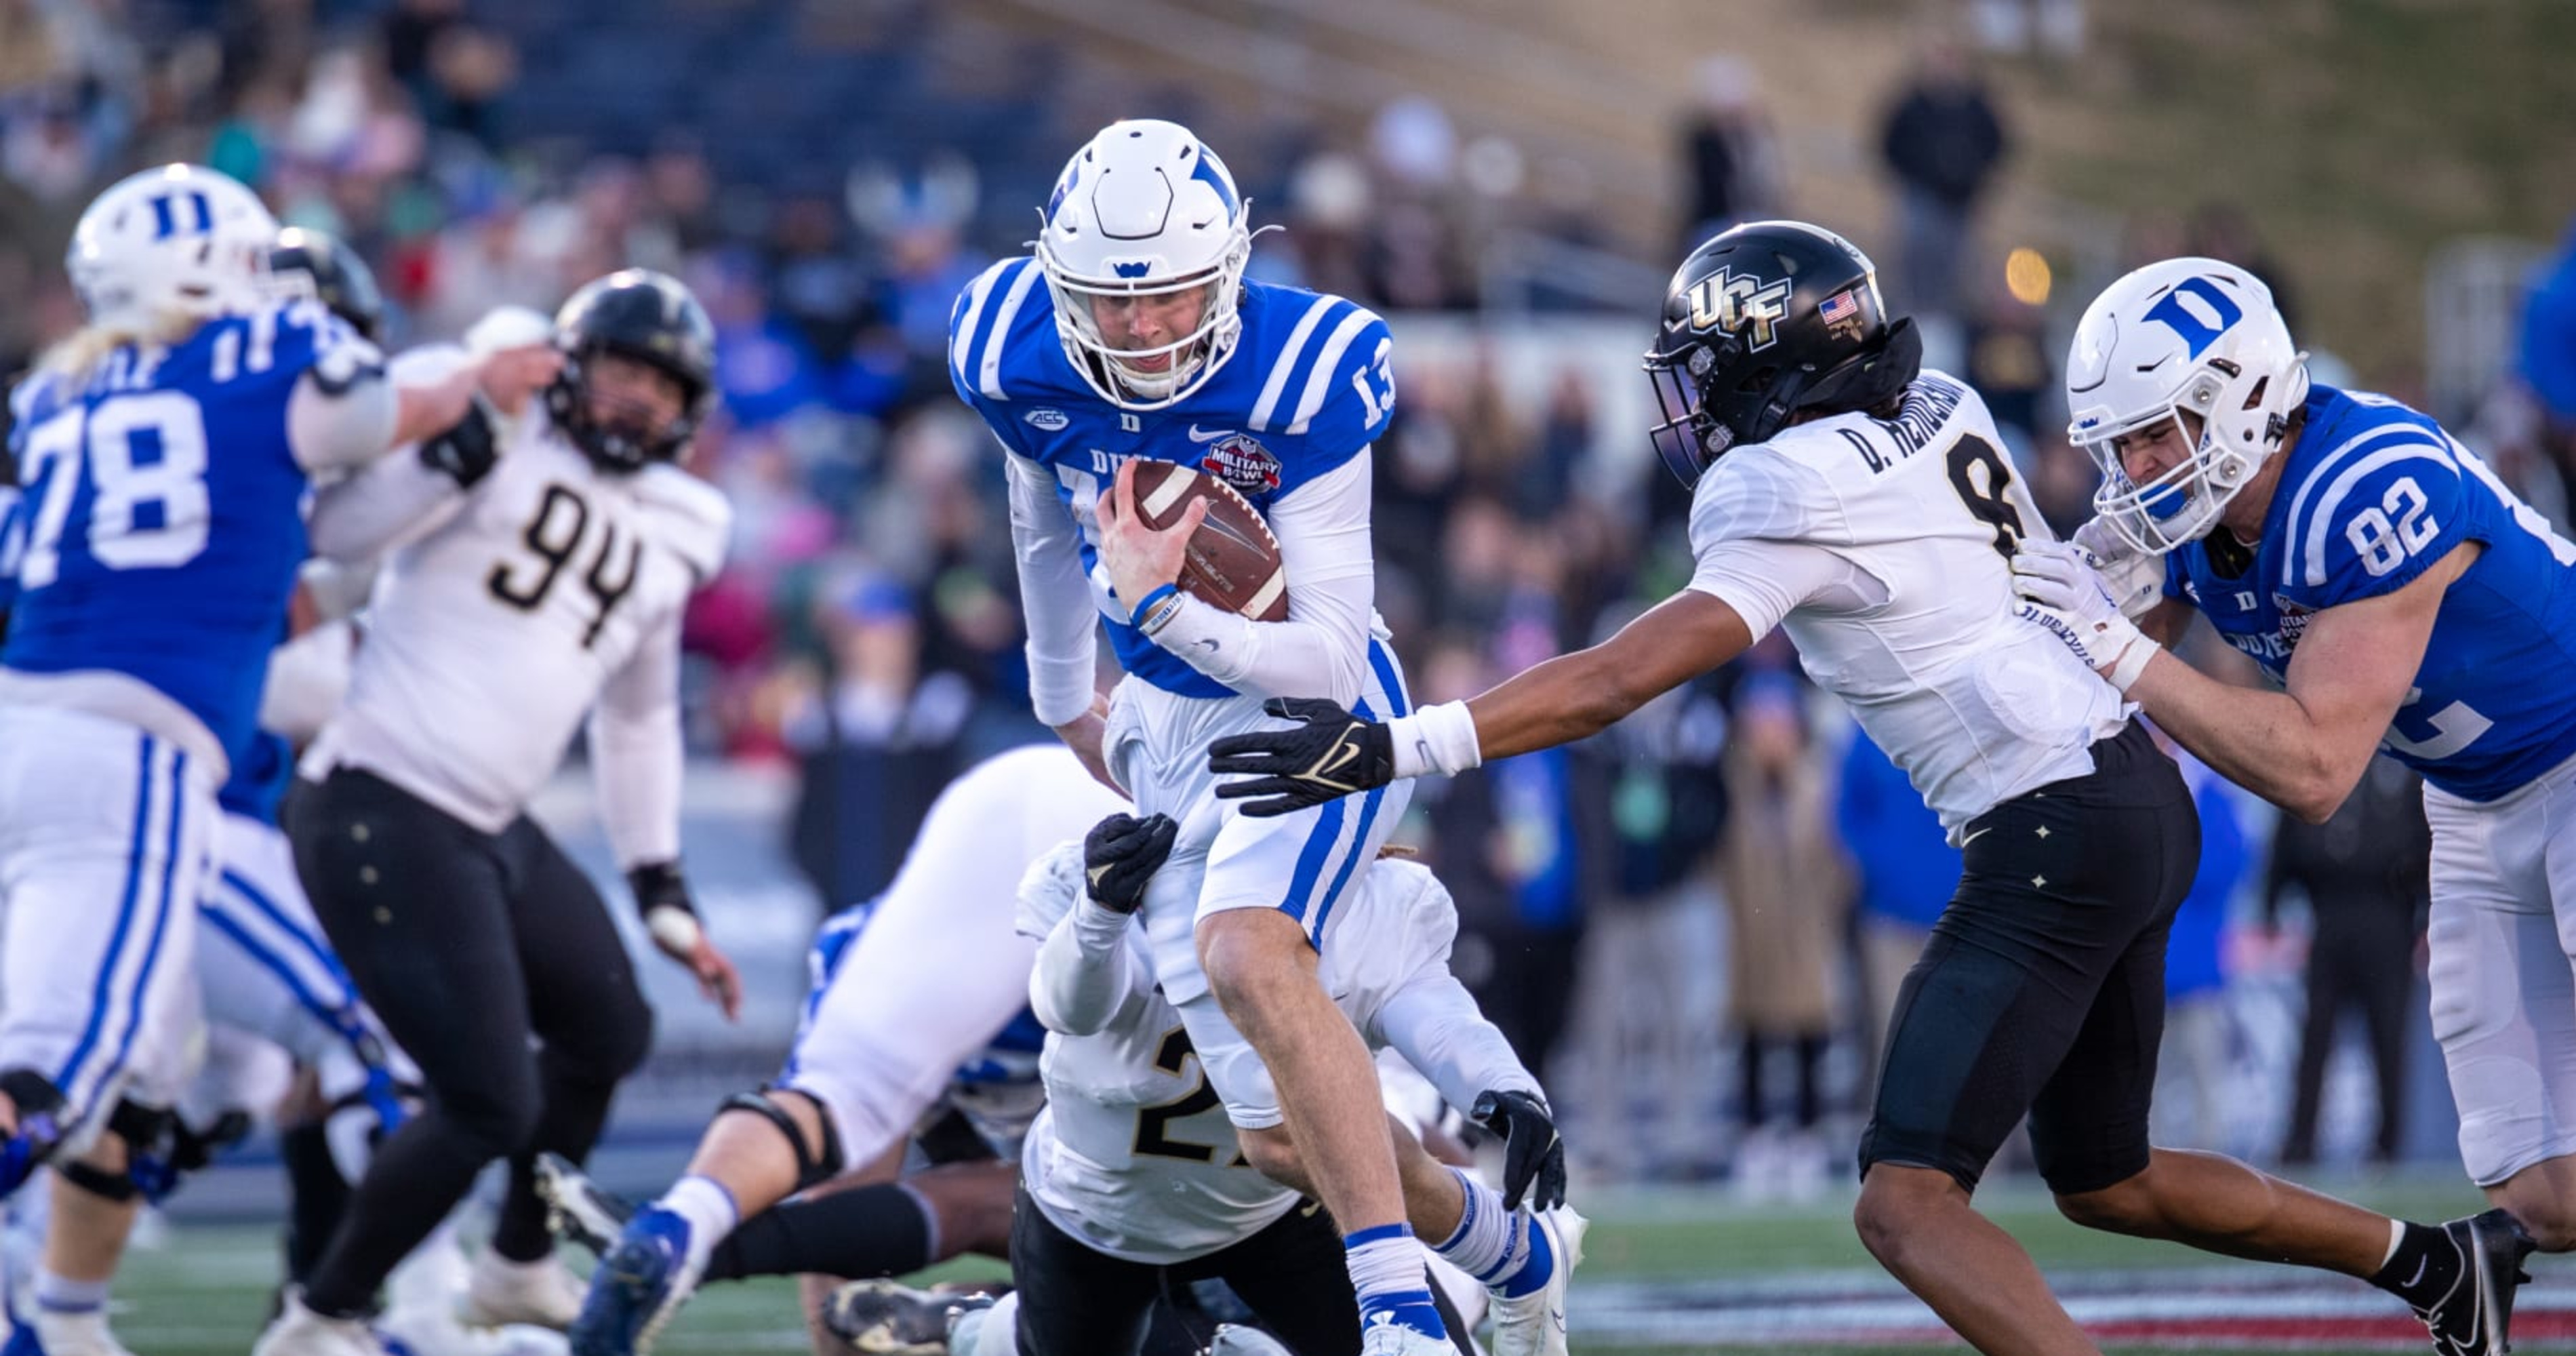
{"x":1233,"y":561}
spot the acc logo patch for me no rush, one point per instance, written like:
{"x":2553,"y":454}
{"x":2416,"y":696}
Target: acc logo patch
{"x":1243,"y":463}
{"x":1740,"y":304}
{"x":1052,"y":421}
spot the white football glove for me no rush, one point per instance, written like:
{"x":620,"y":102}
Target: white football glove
{"x":2135,"y":578}
{"x":2060,"y":590}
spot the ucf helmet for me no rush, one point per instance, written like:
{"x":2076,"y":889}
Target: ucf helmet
{"x":649,"y":317}
{"x":1764,"y":320}
{"x":316,"y":264}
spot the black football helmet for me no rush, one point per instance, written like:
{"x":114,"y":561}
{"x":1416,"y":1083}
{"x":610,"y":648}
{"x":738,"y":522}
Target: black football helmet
{"x":652,"y":318}
{"x":333,"y":274}
{"x":1764,"y":320}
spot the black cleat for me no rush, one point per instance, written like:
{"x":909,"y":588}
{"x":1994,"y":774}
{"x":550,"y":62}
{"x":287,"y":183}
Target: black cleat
{"x":2474,"y":1318}
{"x":579,"y":1210}
{"x":884,"y":1318}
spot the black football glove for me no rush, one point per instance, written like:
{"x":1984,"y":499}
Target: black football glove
{"x":1123,"y":852}
{"x":466,"y":450}
{"x":1330,"y":753}
{"x":659,"y":885}
{"x":1531,"y":1149}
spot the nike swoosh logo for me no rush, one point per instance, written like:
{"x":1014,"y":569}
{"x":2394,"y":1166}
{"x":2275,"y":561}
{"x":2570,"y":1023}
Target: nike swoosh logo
{"x":1096,"y":873}
{"x":1963,"y":843}
{"x":2418,"y":1278}
{"x":1198,"y":437}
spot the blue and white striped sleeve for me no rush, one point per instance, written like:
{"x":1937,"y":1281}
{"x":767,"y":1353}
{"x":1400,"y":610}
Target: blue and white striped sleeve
{"x":2373,"y":514}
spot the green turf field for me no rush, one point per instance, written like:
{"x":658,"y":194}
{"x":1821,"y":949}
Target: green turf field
{"x":204,"y":1291}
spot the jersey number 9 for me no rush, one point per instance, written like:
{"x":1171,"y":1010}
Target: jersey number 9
{"x":554,"y":536}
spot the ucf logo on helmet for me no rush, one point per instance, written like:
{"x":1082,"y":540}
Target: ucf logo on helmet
{"x":1740,"y":304}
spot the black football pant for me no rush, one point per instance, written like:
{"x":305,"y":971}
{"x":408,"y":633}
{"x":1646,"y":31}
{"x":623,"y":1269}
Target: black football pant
{"x":466,"y":945}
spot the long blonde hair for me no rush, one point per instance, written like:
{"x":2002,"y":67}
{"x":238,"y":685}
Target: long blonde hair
{"x":77,"y":355}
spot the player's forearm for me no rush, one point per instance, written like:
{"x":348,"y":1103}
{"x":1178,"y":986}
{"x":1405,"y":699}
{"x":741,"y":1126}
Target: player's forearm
{"x":433,"y":407}
{"x":1323,"y":653}
{"x":1434,"y":1023}
{"x":1084,"y":971}
{"x":2266,"y":742}
{"x":1055,"y":600}
{"x":378,"y":508}
{"x":637,"y":752}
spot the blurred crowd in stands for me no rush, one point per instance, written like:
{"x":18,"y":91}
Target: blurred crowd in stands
{"x":1733,"y":865}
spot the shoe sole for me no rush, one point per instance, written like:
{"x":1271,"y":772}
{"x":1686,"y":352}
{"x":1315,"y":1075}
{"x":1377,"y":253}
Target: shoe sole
{"x":2496,"y":1293}
{"x":873,"y":1335}
{"x":576,"y":1209}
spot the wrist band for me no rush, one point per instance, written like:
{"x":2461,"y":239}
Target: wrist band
{"x":1136,"y":618}
{"x":2132,"y":662}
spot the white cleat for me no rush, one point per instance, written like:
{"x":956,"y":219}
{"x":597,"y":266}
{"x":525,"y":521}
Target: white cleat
{"x":1534,"y":1324}
{"x":299,"y":1331}
{"x":1394,"y":1339}
{"x":543,"y":1293}
{"x":60,"y":1334}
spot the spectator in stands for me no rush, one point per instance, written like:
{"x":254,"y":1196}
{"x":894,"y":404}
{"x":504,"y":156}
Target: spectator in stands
{"x":1730,"y":154}
{"x":2190,"y":1108}
{"x":1906,"y":869}
{"x":2546,"y":356}
{"x":1787,"y":888}
{"x":1942,"y":140}
{"x":2365,"y":874}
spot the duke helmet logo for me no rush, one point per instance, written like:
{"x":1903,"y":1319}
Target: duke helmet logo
{"x":1048,"y":420}
{"x":1740,"y":304}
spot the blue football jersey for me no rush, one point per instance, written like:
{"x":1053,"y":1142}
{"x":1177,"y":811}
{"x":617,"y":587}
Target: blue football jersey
{"x":1308,"y":387}
{"x":163,"y":513}
{"x":2372,"y":495}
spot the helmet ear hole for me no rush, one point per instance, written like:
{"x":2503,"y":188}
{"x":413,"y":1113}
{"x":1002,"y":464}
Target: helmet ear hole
{"x":2254,"y":397}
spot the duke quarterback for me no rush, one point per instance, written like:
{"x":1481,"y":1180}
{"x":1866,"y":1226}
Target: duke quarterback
{"x":164,"y":450}
{"x":1867,"y":506}
{"x":542,"y":584}
{"x":2401,"y":599}
{"x":1130,"y":333}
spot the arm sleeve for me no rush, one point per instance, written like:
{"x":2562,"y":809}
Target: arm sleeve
{"x":381,"y":508}
{"x":1765,"y":580}
{"x":1434,"y":1023}
{"x":636,"y":751}
{"x":334,"y":425}
{"x":1085,"y":972}
{"x":1055,"y":596}
{"x":1321,"y":650}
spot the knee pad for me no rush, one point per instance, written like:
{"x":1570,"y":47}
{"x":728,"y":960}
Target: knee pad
{"x":811,"y":1168}
{"x":40,"y":1128}
{"x":153,"y":1164}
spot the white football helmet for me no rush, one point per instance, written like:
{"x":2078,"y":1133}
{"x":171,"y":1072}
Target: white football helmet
{"x":181,"y":240}
{"x":1145,"y":210}
{"x":2184,"y":337}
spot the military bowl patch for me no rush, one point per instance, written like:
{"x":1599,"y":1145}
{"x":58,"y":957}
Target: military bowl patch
{"x":1243,"y":463}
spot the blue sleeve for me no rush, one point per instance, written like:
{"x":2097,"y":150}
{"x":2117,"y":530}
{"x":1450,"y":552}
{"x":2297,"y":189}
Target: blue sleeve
{"x":10,"y":545}
{"x":1351,"y":408}
{"x":2373,"y":518}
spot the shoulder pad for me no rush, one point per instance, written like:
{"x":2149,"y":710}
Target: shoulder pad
{"x":980,"y":325}
{"x":2371,"y":514}
{"x":1757,"y":492}
{"x":1328,"y":378}
{"x":688,"y":515}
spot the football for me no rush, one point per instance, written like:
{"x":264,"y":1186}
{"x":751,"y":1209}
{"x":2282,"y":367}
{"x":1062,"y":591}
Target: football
{"x":1233,"y":561}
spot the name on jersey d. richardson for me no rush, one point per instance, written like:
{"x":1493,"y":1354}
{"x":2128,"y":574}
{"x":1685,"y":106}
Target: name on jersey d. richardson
{"x":1927,"y":408}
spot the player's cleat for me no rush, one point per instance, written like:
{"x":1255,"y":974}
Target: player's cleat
{"x":886,"y":1318}
{"x":1396,"y":1339}
{"x":641,"y":1282}
{"x":2473,"y":1319}
{"x":543,"y":1293}
{"x":1234,"y":1339}
{"x":49,"y":1333}
{"x":578,"y":1209}
{"x":1534,"y":1324}
{"x":298,"y":1331}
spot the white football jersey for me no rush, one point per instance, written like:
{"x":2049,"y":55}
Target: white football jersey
{"x":1135,"y":1156}
{"x":491,"y":635}
{"x":1883,"y":547}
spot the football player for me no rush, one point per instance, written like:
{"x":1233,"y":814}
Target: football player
{"x":165,"y":448}
{"x":2400,"y":598}
{"x":1869,"y":507}
{"x":544,"y":583}
{"x":1132,"y":333}
{"x":1131,"y":1179}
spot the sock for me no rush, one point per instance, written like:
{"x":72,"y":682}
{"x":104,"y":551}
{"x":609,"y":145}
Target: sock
{"x":2423,"y":1263}
{"x":61,"y":1295}
{"x":708,"y":1208}
{"x":1386,"y":1271}
{"x":881,"y":1230}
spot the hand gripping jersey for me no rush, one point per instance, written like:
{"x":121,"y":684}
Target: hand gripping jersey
{"x":162,"y":518}
{"x":2371,"y":496}
{"x":549,"y":586}
{"x":1882,"y":545}
{"x":1308,"y":387}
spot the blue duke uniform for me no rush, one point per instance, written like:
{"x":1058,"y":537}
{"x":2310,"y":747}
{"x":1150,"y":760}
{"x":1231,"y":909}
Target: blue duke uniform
{"x":154,"y":548}
{"x":1308,"y":388}
{"x":2372,"y":495}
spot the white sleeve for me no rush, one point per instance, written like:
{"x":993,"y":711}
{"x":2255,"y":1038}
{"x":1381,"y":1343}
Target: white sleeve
{"x":307,"y":677}
{"x":1434,"y":1023}
{"x":1086,"y":971}
{"x":1764,"y":580}
{"x":1321,"y":650}
{"x":336,"y":424}
{"x":1055,"y":596}
{"x":380,"y":508}
{"x":636,"y":751}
